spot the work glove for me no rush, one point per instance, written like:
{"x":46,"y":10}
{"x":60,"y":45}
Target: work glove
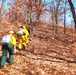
{"x":14,"y":49}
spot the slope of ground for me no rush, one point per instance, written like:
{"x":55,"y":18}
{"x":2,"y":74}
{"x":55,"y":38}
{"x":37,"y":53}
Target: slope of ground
{"x":45,"y":55}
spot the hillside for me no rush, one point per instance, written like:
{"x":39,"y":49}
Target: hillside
{"x":46,"y":54}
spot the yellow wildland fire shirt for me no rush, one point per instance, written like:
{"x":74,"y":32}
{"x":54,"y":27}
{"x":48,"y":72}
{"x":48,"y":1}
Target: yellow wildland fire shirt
{"x":25,"y":31}
{"x":12,"y":40}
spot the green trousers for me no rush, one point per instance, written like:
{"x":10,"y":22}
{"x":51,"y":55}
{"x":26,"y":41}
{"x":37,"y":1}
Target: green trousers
{"x":5,"y":50}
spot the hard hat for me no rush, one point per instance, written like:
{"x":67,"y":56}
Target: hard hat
{"x":23,"y":26}
{"x":11,"y":32}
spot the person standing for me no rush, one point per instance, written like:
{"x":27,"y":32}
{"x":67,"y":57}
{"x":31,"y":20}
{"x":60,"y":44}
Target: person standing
{"x":8,"y":48}
{"x":23,"y":39}
{"x":26,"y":34}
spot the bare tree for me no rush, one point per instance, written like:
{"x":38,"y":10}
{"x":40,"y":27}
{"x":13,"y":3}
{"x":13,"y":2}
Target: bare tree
{"x":64,"y":17}
{"x":73,"y":11}
{"x":1,"y":7}
{"x":55,"y":14}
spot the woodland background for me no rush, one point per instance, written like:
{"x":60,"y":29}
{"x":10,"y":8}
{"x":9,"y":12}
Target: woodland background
{"x":52,"y":50}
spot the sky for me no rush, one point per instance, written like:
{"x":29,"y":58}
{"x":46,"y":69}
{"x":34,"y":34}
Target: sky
{"x":5,"y":4}
{"x":6,"y":7}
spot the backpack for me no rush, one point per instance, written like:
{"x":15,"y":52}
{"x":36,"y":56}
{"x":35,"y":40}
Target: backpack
{"x":20,"y":32}
{"x":5,"y":39}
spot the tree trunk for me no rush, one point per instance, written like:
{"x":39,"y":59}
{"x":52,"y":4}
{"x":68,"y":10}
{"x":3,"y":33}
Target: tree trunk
{"x":37,"y":16}
{"x":1,"y":7}
{"x":64,"y":21}
{"x":73,"y":11}
{"x":65,"y":18}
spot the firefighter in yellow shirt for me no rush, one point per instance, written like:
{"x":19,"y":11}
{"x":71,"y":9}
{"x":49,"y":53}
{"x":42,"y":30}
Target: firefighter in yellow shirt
{"x":8,"y":48}
{"x":26,"y":35}
{"x":23,"y":39}
{"x":30,"y":30}
{"x":19,"y":43}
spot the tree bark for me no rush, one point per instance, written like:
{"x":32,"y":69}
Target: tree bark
{"x":1,"y":9}
{"x":73,"y":12}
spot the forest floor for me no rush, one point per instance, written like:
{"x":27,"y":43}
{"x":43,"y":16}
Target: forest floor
{"x":46,"y":54}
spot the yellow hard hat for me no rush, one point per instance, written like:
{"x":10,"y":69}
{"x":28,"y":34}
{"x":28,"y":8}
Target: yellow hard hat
{"x":11,"y":32}
{"x":23,"y":26}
